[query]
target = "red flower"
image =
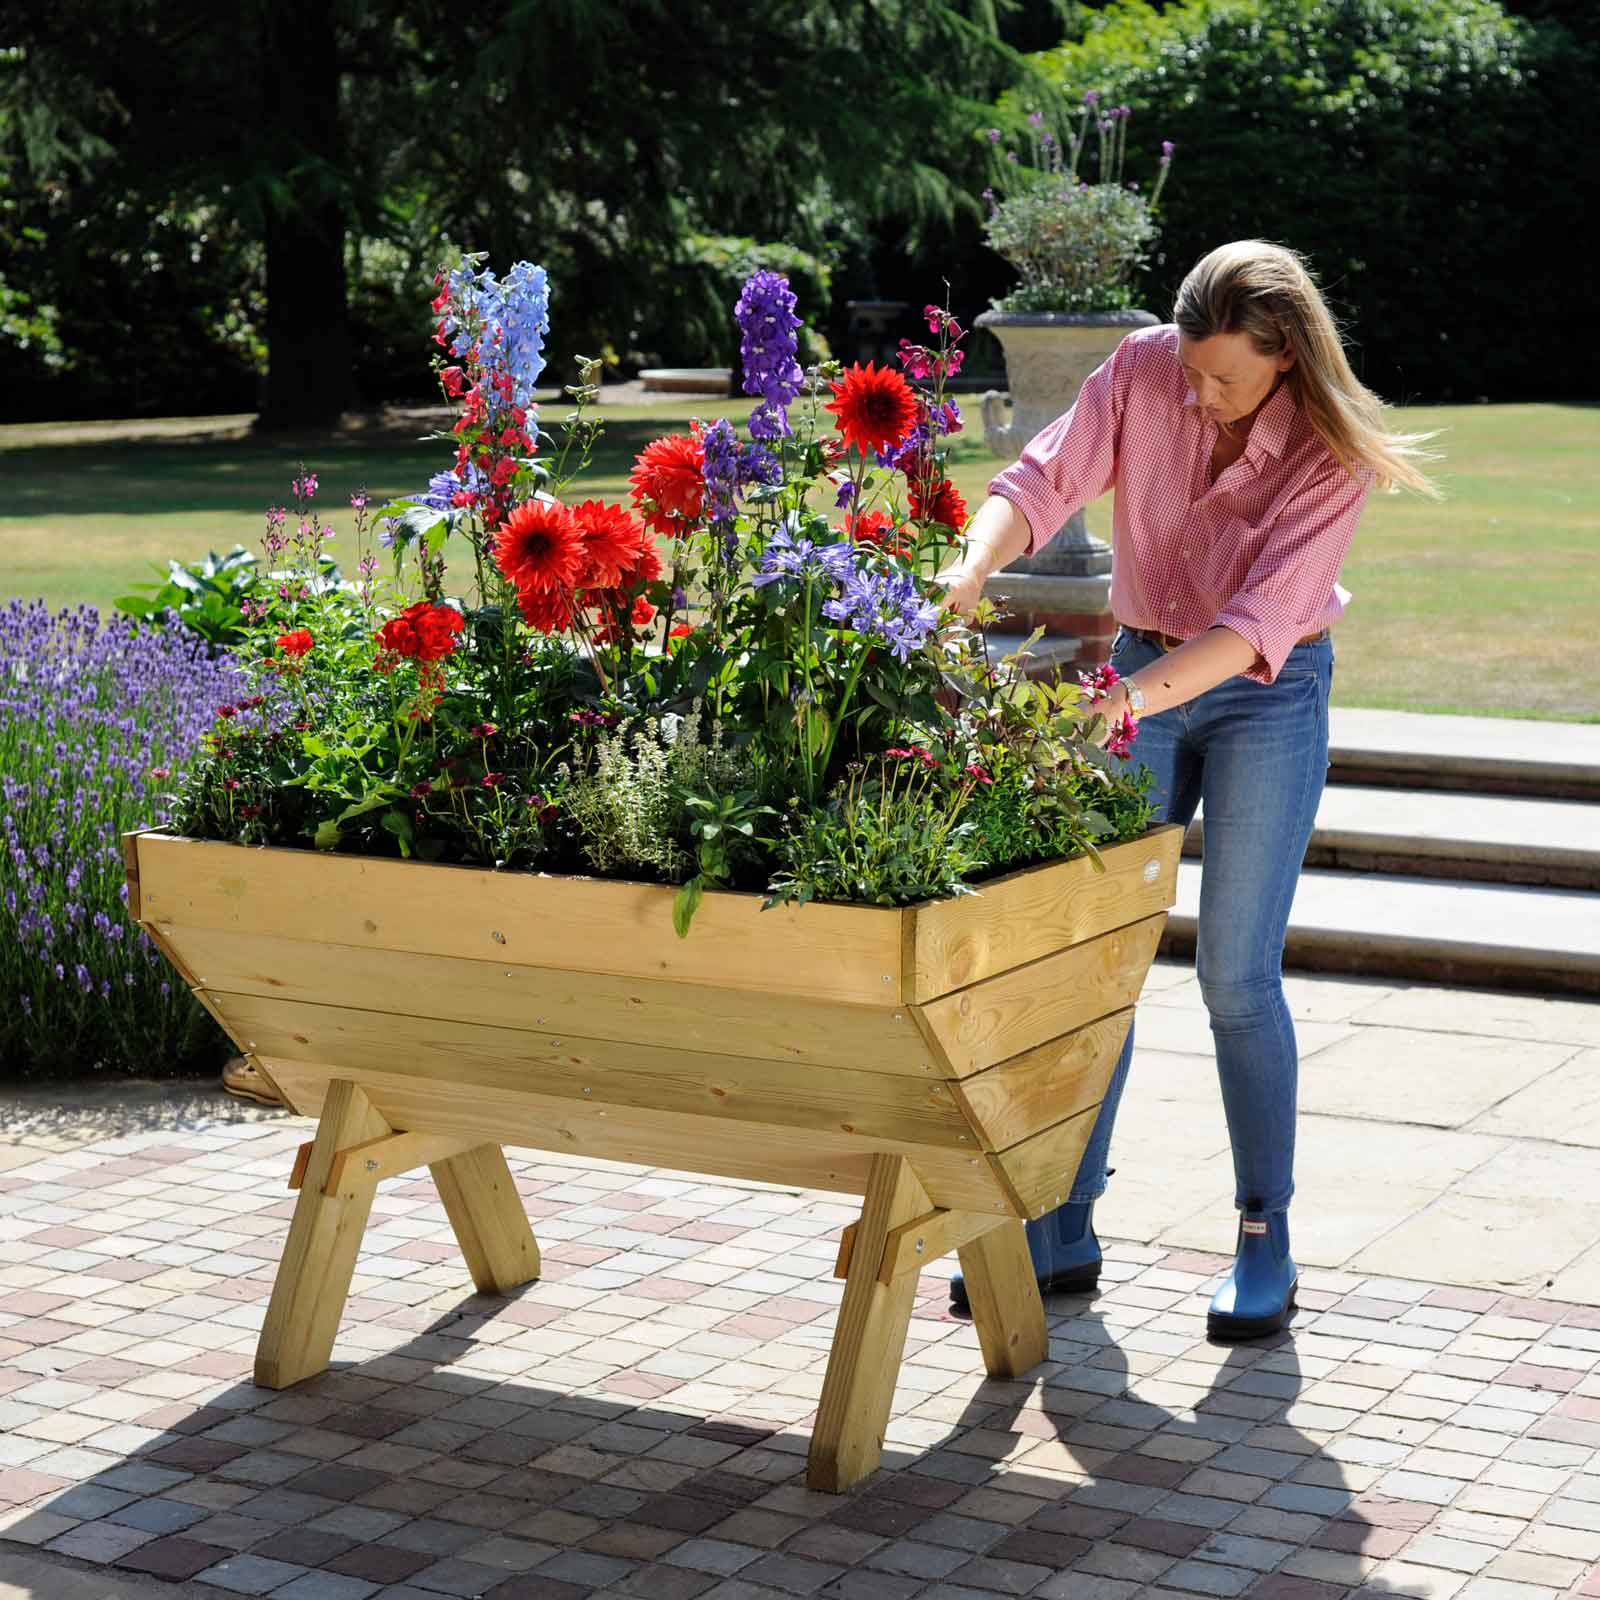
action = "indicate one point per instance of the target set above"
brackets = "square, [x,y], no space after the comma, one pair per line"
[424,630]
[296,643]
[540,546]
[548,610]
[940,502]
[680,630]
[612,541]
[875,407]
[668,482]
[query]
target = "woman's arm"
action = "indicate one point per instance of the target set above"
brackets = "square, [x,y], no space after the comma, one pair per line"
[1198,664]
[996,536]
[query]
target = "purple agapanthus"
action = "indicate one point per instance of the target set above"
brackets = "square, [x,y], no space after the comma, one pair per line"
[730,467]
[885,606]
[788,557]
[98,721]
[767,347]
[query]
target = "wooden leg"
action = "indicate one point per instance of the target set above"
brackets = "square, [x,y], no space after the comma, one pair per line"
[1004,1295]
[847,1442]
[313,1280]
[481,1200]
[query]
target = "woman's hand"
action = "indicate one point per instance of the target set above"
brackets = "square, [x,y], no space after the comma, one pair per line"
[962,588]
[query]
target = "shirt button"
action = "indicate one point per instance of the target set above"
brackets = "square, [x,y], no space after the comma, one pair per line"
[1185,555]
[1172,605]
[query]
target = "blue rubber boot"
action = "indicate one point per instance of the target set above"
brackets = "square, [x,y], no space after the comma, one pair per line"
[1258,1294]
[1064,1252]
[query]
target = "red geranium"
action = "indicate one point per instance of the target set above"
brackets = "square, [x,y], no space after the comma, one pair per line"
[296,643]
[540,546]
[875,407]
[668,482]
[611,540]
[939,502]
[424,631]
[877,528]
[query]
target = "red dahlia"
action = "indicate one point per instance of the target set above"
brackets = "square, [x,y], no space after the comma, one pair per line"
[939,502]
[540,546]
[612,541]
[875,407]
[548,610]
[870,527]
[668,482]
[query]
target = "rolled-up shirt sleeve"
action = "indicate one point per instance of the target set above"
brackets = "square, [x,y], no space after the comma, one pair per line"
[1287,592]
[1073,460]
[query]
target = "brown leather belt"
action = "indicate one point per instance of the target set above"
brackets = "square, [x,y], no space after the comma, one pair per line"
[1167,641]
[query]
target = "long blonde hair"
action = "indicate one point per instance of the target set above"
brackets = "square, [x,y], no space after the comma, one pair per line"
[1267,293]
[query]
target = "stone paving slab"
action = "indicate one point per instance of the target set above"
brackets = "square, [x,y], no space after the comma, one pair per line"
[636,1423]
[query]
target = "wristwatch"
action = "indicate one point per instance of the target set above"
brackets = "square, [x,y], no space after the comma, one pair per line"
[1136,700]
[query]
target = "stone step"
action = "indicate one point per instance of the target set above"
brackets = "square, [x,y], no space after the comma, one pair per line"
[1474,934]
[1435,833]
[1486,755]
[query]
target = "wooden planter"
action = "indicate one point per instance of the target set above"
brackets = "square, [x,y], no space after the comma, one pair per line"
[944,1061]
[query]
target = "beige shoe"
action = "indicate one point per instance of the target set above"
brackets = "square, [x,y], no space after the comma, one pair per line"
[245,1080]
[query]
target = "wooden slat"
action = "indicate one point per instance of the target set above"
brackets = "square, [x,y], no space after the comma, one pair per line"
[1004,1295]
[1025,915]
[850,953]
[652,1011]
[847,1243]
[1039,1171]
[883,1108]
[376,1159]
[130,865]
[831,1161]
[869,1338]
[911,1246]
[1020,1010]
[1035,1090]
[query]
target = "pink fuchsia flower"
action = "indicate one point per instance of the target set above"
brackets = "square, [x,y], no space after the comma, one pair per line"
[1099,683]
[977,773]
[1124,731]
[917,359]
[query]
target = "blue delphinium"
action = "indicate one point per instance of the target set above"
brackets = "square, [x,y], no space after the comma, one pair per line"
[507,318]
[887,607]
[788,557]
[444,486]
[767,346]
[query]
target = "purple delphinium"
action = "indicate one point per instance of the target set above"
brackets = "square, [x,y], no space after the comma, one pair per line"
[98,722]
[767,346]
[885,606]
[730,466]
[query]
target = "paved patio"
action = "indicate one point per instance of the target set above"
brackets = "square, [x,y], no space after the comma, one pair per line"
[636,1422]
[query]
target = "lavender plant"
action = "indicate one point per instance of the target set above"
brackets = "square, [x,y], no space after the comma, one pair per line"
[98,719]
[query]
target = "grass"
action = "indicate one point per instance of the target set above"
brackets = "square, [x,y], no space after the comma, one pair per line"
[1482,604]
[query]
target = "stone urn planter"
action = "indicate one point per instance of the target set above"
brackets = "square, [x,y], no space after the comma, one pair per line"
[1066,587]
[944,1061]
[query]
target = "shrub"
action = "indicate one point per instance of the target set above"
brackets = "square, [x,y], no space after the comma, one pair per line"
[96,719]
[1428,156]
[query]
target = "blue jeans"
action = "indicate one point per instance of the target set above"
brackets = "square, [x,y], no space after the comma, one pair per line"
[1257,754]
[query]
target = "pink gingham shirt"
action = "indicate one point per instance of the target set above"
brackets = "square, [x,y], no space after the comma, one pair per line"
[1258,551]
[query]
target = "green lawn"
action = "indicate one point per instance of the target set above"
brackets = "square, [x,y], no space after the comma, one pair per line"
[1485,603]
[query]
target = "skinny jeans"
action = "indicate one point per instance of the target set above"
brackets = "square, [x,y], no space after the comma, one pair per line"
[1256,755]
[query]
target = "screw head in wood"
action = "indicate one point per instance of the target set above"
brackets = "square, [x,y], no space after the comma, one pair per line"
[498,937]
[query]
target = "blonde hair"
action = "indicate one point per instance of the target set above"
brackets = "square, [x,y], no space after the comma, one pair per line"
[1267,293]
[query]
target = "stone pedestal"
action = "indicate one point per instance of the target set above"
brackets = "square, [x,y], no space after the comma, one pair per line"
[1066,587]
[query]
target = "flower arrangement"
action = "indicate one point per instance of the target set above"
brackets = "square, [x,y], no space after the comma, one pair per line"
[1075,243]
[741,679]
[98,718]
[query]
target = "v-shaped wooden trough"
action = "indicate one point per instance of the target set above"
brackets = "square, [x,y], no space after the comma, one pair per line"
[944,1061]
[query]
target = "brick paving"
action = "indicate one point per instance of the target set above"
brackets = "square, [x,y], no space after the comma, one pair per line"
[636,1422]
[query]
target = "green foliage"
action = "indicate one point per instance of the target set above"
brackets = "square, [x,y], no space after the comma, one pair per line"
[1425,154]
[207,596]
[887,835]
[1077,248]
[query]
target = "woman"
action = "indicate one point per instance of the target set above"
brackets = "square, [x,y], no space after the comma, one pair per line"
[1242,448]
